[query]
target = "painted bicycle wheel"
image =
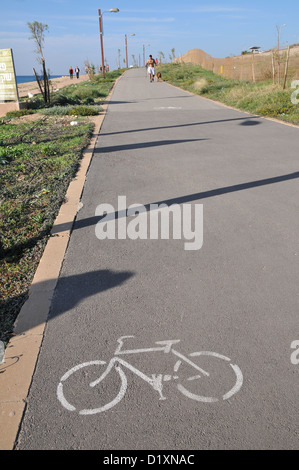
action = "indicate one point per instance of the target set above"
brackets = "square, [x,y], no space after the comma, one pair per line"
[221,381]
[70,381]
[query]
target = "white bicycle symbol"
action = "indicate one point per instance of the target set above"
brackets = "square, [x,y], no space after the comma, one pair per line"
[155,380]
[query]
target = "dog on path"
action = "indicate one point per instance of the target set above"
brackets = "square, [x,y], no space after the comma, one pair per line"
[159,77]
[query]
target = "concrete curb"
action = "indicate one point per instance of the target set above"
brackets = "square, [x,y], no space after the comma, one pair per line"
[23,349]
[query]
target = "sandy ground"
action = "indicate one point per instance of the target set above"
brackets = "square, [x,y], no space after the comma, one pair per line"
[57,83]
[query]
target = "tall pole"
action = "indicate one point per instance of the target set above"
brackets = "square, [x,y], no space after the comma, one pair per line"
[143,55]
[278,58]
[253,70]
[286,68]
[126,43]
[102,47]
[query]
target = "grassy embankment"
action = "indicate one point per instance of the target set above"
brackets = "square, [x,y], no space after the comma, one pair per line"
[38,160]
[262,98]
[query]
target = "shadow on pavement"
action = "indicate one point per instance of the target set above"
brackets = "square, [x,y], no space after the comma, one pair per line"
[246,122]
[158,143]
[117,102]
[251,122]
[194,197]
[69,292]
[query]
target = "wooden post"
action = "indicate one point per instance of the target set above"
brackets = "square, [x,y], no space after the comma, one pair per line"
[273,67]
[241,73]
[286,68]
[253,70]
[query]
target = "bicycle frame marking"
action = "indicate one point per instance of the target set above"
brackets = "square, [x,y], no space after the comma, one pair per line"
[155,381]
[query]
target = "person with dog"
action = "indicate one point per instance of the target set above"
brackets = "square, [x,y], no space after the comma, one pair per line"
[150,63]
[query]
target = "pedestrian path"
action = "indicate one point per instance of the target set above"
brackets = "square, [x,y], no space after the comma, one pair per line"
[132,313]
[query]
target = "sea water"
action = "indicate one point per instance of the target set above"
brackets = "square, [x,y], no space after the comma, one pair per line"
[31,78]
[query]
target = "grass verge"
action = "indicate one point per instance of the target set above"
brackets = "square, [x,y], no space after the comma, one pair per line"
[39,157]
[262,98]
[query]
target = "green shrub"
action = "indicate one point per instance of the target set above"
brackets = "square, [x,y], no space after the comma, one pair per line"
[274,110]
[56,110]
[71,110]
[83,111]
[4,157]
[35,103]
[18,113]
[89,101]
[279,103]
[61,99]
[86,94]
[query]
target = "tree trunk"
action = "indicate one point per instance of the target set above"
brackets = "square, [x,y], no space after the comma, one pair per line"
[39,85]
[46,83]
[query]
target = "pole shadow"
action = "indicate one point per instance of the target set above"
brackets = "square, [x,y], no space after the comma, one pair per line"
[246,122]
[193,197]
[142,145]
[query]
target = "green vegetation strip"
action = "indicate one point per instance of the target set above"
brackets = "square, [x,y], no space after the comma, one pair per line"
[38,160]
[261,98]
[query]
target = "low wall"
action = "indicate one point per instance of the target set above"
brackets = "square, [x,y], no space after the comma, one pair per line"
[10,106]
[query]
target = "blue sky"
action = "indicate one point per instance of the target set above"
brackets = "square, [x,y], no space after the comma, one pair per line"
[221,28]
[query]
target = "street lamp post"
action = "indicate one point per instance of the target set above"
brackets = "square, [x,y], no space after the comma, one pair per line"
[126,45]
[112,10]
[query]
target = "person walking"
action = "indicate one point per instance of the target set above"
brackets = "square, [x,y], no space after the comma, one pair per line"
[77,71]
[71,72]
[150,63]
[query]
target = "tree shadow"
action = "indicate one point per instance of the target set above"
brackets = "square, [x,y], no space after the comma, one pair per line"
[62,295]
[71,290]
[248,122]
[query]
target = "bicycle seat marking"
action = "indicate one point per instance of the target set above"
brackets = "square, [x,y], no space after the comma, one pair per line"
[156,381]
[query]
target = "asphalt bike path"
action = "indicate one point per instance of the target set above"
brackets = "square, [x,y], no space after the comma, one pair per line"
[156,343]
